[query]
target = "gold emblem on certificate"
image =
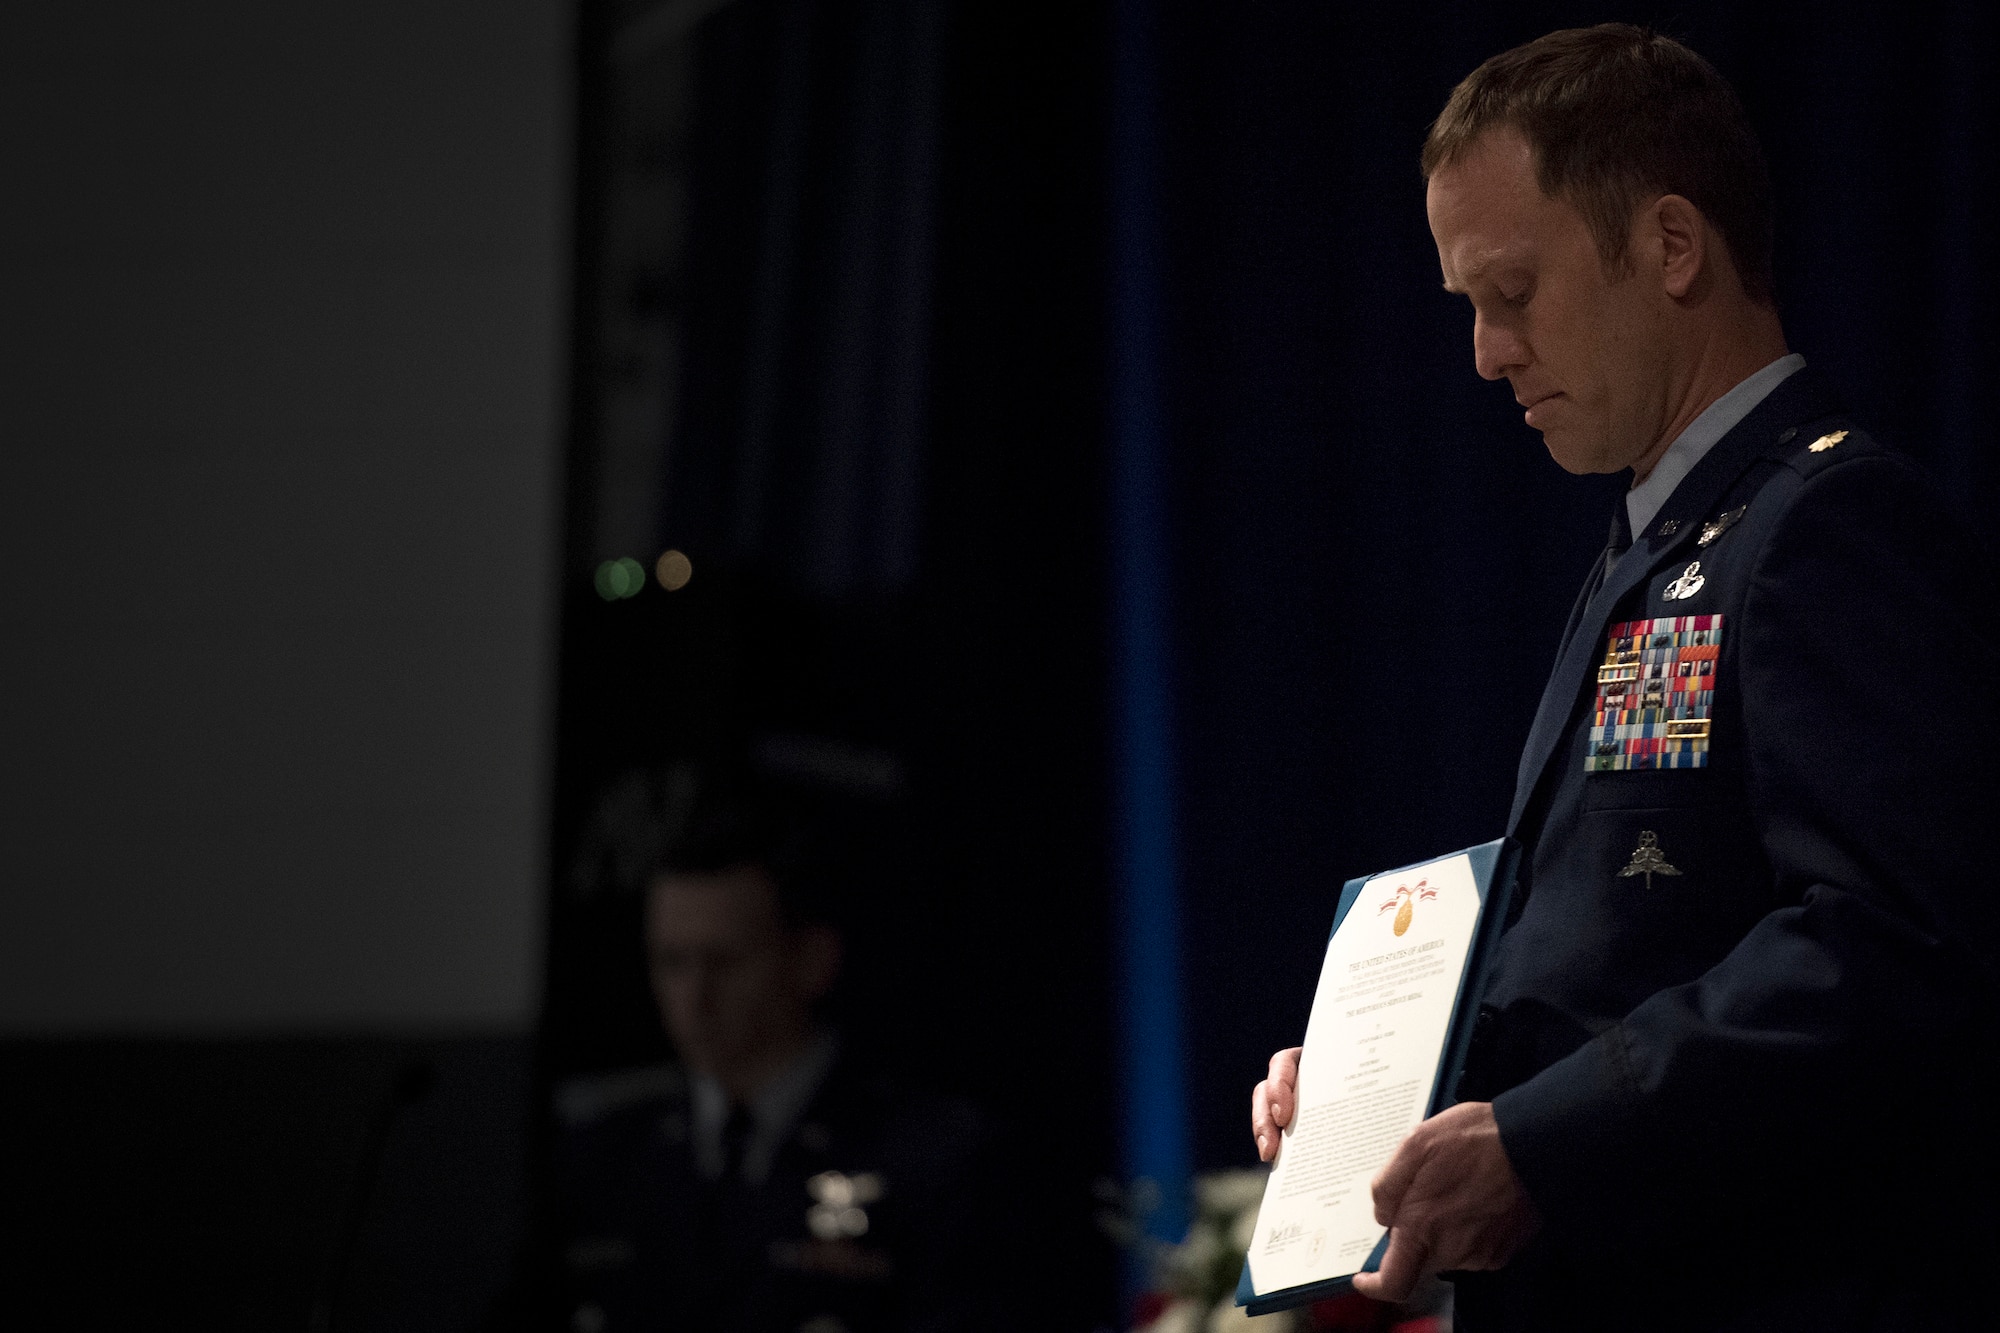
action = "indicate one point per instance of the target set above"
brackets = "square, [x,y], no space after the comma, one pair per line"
[1405,902]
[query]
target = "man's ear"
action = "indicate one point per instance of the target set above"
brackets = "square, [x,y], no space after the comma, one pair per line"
[1682,234]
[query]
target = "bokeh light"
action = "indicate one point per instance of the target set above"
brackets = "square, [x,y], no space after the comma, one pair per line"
[619,578]
[673,569]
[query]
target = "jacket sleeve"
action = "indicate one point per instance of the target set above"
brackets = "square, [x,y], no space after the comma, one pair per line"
[1837,1048]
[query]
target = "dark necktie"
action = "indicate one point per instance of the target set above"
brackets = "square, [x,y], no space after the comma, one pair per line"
[1616,544]
[736,1133]
[1620,540]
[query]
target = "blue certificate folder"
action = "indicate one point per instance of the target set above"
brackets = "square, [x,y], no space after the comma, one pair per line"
[1493,865]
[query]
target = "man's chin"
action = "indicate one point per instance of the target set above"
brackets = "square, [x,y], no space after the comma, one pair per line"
[1565,454]
[1576,459]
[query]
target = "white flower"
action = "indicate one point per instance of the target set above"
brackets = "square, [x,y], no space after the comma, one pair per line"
[1199,1251]
[1230,1192]
[1244,1230]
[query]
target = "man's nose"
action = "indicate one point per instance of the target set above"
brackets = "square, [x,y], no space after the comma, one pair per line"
[700,981]
[1496,349]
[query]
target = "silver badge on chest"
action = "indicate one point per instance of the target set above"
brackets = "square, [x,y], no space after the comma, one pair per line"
[1648,859]
[1687,585]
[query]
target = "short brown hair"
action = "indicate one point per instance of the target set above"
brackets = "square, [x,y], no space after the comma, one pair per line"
[1617,114]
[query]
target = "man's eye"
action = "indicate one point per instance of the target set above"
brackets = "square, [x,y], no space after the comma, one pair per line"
[679,963]
[1519,298]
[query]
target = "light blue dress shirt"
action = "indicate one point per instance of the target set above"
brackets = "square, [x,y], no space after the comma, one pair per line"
[1720,417]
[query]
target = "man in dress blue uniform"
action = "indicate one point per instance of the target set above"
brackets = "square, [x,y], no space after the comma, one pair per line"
[772,1181]
[1732,1063]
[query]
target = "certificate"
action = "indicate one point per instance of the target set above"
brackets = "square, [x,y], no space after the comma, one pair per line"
[1390,1024]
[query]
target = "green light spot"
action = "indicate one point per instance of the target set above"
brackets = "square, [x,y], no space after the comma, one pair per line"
[633,576]
[607,580]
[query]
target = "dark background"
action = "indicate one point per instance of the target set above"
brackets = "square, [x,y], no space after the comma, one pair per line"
[1375,555]
[869,349]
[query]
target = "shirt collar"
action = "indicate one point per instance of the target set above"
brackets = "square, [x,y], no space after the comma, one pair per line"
[773,1111]
[1643,501]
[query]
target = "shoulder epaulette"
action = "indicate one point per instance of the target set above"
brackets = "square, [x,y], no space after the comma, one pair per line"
[589,1098]
[1822,443]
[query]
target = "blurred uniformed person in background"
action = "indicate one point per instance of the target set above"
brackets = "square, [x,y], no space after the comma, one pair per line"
[769,1181]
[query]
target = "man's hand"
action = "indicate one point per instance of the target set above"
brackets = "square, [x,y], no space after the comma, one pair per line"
[1450,1199]
[1273,1101]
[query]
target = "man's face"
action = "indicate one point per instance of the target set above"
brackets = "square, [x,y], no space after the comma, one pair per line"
[1585,350]
[735,984]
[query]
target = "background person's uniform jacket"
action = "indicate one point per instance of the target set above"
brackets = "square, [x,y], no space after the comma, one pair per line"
[648,1244]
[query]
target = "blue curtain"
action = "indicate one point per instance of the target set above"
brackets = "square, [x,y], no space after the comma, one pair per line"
[1370,557]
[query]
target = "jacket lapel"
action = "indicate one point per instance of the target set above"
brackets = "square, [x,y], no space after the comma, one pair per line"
[1801,398]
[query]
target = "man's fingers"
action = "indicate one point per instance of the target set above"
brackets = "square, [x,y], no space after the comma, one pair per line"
[1394,1182]
[1402,1265]
[1285,1066]
[1271,1103]
[1282,1085]
[1262,1127]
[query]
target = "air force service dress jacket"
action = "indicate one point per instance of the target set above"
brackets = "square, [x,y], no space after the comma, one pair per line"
[1739,1036]
[919,1213]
